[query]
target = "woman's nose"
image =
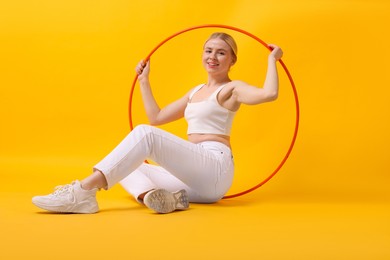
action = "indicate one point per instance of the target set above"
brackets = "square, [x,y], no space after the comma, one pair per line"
[212,56]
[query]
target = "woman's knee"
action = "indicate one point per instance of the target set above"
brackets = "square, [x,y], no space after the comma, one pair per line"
[142,130]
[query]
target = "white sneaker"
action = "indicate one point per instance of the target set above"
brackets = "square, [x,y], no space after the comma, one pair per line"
[69,198]
[163,201]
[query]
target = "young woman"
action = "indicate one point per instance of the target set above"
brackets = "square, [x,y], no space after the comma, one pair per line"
[199,169]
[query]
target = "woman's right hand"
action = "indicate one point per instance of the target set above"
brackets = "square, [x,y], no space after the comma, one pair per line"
[142,69]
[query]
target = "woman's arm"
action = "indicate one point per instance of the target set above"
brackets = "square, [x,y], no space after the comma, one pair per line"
[155,114]
[251,95]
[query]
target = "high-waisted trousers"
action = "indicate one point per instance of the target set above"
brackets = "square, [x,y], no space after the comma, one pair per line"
[205,170]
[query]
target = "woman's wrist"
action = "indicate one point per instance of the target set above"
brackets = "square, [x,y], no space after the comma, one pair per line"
[271,58]
[143,81]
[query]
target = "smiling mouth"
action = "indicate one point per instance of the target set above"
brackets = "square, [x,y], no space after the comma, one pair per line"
[212,64]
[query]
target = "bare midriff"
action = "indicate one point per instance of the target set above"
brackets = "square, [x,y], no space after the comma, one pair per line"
[198,138]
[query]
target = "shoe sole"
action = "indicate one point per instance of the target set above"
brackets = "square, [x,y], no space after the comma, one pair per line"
[79,209]
[163,201]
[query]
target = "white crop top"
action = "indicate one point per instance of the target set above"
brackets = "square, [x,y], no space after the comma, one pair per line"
[208,116]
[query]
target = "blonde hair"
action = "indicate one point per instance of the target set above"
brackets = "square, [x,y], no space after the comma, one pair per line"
[229,41]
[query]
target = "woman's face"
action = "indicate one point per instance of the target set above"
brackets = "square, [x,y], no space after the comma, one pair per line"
[217,56]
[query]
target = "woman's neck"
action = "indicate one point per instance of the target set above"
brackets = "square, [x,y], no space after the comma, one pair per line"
[217,81]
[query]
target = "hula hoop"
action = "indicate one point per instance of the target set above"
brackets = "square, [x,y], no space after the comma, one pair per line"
[281,63]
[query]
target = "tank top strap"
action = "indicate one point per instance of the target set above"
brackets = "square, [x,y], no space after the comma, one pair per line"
[215,93]
[196,89]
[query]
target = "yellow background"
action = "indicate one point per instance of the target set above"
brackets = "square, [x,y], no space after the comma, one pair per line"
[66,68]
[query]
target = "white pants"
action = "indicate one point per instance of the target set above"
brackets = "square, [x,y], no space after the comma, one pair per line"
[204,170]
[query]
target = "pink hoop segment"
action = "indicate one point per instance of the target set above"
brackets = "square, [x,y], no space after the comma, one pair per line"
[286,71]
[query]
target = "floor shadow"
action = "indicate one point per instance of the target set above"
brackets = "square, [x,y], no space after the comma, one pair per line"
[103,210]
[223,203]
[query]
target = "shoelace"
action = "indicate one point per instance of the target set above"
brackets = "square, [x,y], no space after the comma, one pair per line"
[60,190]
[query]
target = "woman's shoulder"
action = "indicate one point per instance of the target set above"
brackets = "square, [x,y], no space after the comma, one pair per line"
[193,90]
[237,83]
[233,86]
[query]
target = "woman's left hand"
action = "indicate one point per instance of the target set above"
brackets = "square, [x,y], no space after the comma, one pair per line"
[276,52]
